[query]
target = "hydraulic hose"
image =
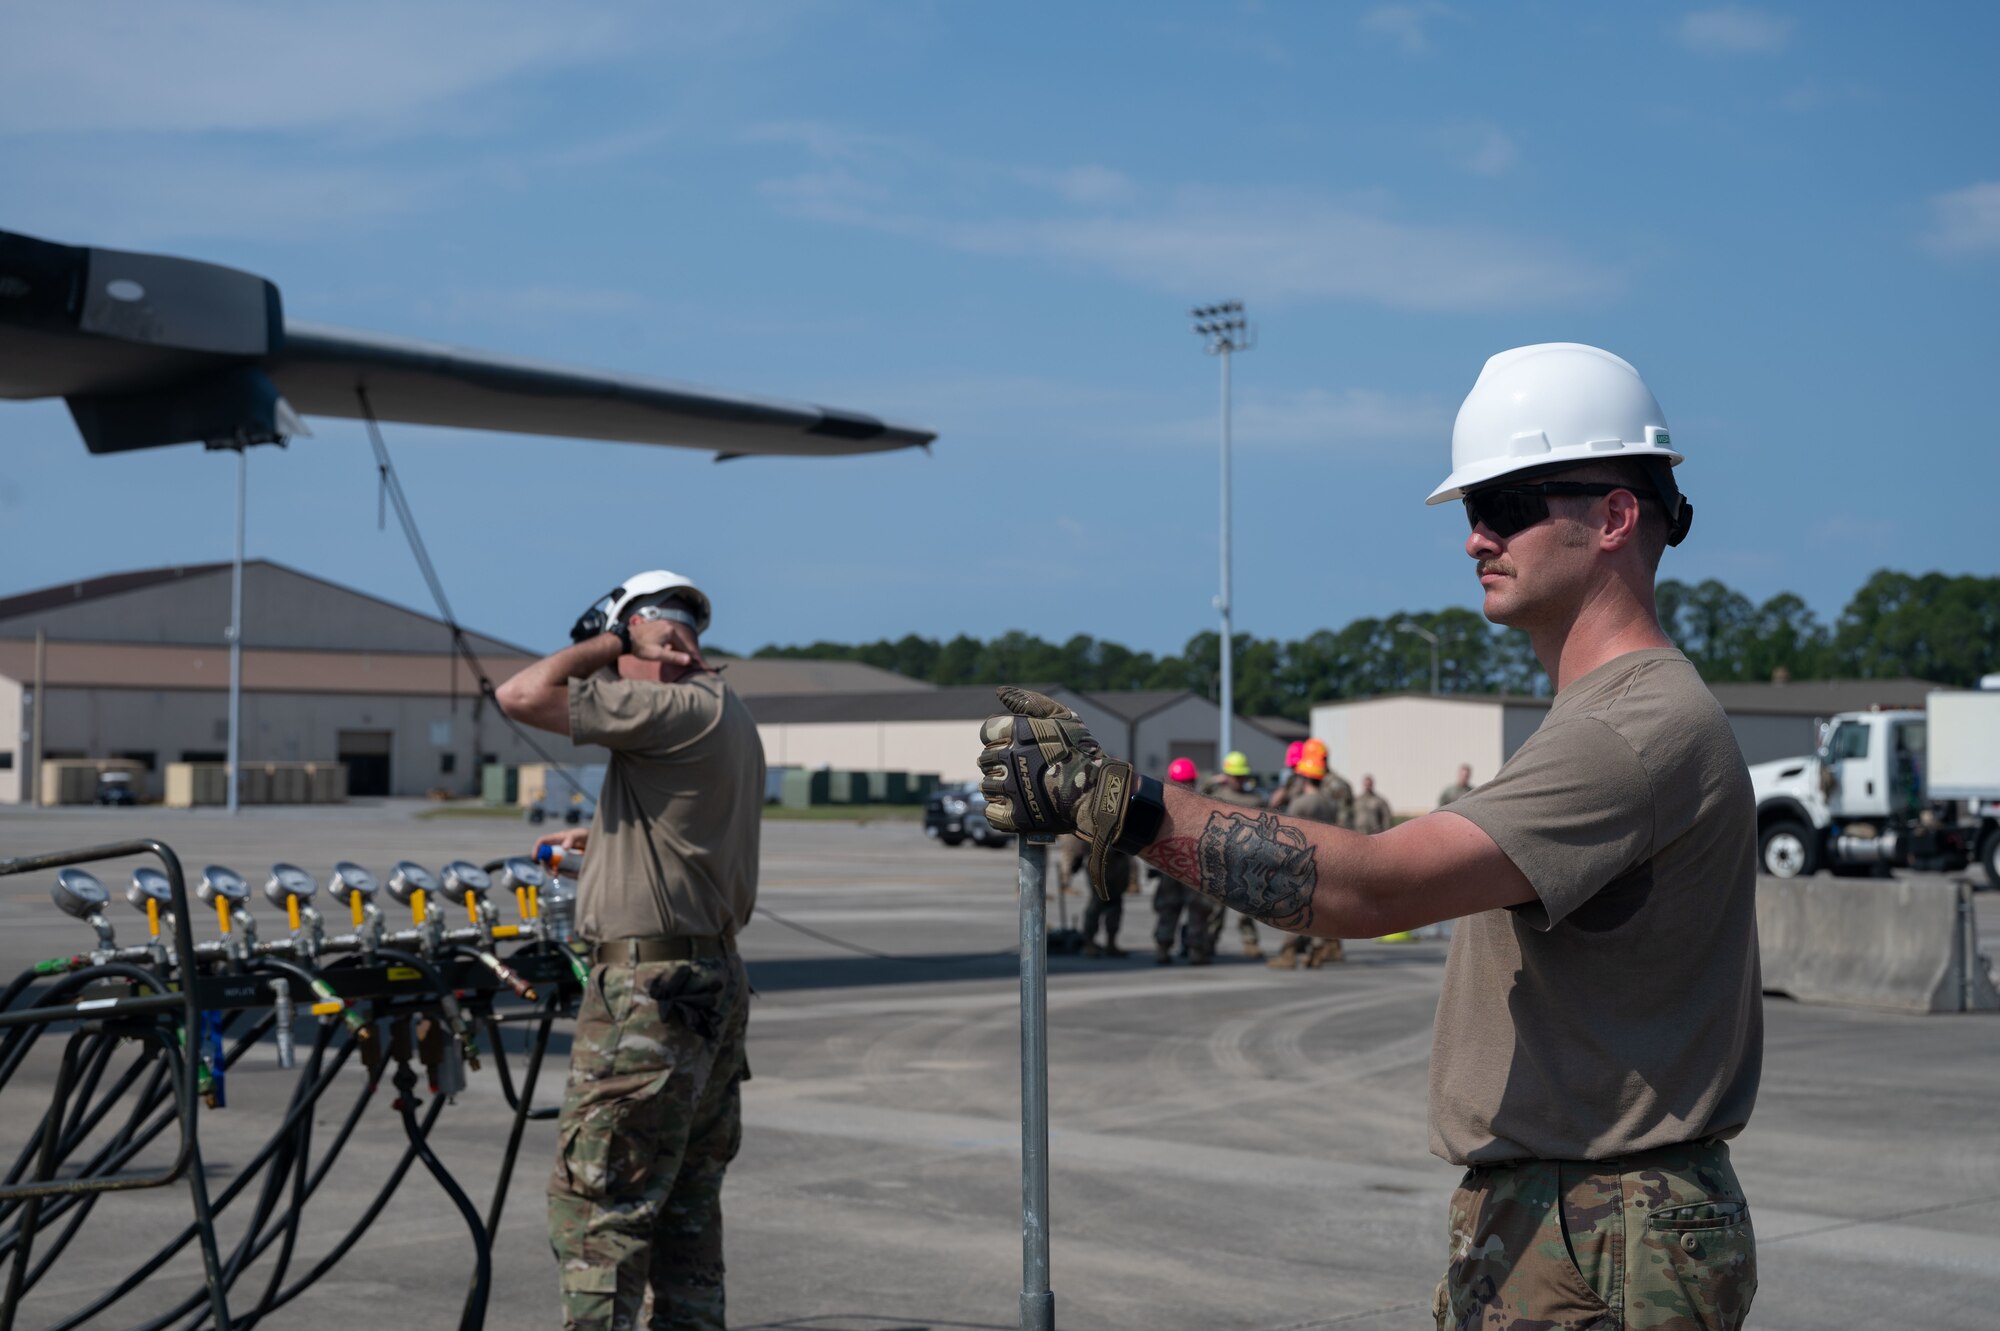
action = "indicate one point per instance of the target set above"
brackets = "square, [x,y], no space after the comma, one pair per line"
[301,1103]
[473,1318]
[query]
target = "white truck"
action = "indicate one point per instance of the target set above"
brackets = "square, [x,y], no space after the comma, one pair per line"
[1891,787]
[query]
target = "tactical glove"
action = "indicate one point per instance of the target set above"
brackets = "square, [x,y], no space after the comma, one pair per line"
[1043,774]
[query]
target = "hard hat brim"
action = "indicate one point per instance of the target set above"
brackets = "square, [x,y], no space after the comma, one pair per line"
[1489,470]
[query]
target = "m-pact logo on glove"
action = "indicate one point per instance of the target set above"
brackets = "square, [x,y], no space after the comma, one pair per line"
[1028,791]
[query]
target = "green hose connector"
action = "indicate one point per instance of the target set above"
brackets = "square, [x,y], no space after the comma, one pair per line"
[58,965]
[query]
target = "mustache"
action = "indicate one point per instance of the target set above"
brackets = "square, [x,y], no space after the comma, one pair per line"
[1499,566]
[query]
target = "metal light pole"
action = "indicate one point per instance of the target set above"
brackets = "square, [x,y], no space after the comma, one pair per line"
[1224,332]
[1407,627]
[236,631]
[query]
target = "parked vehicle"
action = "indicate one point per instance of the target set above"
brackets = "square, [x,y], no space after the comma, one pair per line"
[1900,787]
[115,789]
[958,813]
[563,802]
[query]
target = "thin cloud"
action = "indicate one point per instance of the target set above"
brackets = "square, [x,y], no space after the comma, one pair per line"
[1275,246]
[194,65]
[1351,420]
[1965,221]
[1731,30]
[131,198]
[1493,155]
[1404,24]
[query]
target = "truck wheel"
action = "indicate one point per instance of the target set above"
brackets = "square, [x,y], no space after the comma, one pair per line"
[1989,856]
[1786,849]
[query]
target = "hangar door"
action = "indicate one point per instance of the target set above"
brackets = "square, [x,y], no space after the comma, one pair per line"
[366,753]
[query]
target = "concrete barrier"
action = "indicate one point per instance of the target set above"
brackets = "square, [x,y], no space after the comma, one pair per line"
[1907,945]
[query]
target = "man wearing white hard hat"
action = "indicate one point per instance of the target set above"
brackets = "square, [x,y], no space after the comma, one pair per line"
[652,1114]
[1600,1034]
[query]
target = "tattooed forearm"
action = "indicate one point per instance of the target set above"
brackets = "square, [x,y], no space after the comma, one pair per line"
[1250,861]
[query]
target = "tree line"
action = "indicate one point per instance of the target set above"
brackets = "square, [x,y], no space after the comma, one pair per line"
[1925,626]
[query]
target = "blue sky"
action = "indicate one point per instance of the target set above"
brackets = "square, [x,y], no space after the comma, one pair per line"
[991,220]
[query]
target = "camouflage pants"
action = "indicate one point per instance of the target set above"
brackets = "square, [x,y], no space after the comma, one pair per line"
[1659,1241]
[650,1121]
[1245,926]
[1171,897]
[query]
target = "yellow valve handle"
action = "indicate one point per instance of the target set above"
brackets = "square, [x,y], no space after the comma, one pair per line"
[506,931]
[329,1008]
[417,911]
[222,913]
[521,901]
[534,903]
[152,917]
[471,908]
[292,912]
[354,903]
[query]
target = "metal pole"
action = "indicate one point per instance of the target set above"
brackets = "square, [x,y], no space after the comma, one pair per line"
[236,632]
[34,793]
[1228,643]
[1038,1302]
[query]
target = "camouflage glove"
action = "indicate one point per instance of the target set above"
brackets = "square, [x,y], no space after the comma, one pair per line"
[1044,774]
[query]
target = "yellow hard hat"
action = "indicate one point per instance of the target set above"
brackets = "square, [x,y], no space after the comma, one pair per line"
[1236,764]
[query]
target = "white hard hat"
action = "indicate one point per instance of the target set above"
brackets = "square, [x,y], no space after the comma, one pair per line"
[1549,405]
[620,601]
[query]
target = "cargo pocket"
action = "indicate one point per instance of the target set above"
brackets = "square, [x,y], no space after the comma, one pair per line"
[1698,1262]
[609,1135]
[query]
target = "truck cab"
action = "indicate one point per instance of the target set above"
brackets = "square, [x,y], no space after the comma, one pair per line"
[1864,803]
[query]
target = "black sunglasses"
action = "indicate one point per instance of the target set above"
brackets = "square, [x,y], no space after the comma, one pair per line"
[1507,509]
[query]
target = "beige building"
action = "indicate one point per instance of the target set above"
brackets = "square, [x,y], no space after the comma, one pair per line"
[136,665]
[1413,743]
[935,729]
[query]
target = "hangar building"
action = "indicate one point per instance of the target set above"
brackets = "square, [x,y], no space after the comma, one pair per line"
[136,665]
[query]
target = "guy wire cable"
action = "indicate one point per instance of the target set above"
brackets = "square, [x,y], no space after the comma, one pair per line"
[392,486]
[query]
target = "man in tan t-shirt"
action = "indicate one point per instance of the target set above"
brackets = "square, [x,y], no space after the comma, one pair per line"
[1599,1037]
[651,1117]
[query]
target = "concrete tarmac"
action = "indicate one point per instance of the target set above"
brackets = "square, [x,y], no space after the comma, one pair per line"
[1232,1147]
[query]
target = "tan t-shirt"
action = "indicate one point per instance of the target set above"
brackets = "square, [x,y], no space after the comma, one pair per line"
[1621,1010]
[673,849]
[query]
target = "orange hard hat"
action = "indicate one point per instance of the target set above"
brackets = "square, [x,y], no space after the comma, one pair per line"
[1315,747]
[1313,765]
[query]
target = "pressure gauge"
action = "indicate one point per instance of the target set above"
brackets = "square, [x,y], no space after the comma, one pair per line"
[288,882]
[350,880]
[149,885]
[409,878]
[463,878]
[518,871]
[218,883]
[79,893]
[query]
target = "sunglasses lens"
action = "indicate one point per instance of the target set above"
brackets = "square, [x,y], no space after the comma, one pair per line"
[1505,512]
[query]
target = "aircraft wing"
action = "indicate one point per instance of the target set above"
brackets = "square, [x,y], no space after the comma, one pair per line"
[150,350]
[319,369]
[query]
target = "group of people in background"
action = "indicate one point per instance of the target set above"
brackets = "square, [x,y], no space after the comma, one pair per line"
[1187,923]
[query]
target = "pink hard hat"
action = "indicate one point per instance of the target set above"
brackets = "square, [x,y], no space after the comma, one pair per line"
[1292,752]
[1181,770]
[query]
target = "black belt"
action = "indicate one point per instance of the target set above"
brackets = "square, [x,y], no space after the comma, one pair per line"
[639,951]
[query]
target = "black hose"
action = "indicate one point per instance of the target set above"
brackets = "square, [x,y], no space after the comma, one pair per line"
[474,1316]
[112,1157]
[16,985]
[301,1103]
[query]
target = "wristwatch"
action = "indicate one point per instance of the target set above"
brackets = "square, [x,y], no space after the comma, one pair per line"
[622,631]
